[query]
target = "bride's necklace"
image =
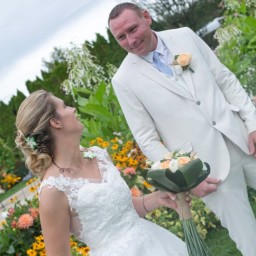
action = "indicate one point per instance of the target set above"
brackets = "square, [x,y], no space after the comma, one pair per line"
[69,169]
[86,155]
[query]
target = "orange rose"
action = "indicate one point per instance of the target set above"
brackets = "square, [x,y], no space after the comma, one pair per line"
[184,59]
[183,160]
[165,164]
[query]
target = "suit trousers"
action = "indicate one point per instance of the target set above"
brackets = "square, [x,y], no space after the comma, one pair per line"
[231,204]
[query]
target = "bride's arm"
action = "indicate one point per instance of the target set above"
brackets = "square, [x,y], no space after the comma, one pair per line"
[55,222]
[150,202]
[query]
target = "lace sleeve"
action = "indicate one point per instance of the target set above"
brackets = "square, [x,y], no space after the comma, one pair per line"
[68,186]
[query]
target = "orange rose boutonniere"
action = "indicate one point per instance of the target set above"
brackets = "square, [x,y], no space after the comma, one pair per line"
[181,62]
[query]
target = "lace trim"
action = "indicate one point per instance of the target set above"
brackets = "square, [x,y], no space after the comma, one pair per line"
[70,186]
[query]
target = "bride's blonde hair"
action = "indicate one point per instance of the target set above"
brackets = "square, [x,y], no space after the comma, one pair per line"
[33,124]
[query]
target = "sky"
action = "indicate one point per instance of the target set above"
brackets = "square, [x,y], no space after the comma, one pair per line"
[30,29]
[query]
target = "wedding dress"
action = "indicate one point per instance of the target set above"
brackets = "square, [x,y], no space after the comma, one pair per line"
[103,216]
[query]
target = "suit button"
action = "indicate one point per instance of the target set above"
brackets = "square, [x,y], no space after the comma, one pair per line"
[198,102]
[213,122]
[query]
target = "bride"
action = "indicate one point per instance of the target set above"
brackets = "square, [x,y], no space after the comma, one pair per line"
[82,191]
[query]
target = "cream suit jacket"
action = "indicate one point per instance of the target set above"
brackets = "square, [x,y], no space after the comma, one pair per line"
[164,115]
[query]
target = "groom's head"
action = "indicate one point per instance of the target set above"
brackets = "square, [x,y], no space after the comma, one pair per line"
[130,25]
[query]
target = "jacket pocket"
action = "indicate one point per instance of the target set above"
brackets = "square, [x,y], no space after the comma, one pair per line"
[233,108]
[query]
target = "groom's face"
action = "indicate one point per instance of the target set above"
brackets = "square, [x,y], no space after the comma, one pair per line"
[133,33]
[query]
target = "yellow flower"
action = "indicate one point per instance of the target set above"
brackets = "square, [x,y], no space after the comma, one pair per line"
[92,142]
[39,238]
[73,243]
[13,199]
[147,185]
[115,147]
[31,252]
[99,140]
[32,189]
[105,144]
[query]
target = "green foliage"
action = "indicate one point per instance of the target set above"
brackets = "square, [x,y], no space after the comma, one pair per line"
[96,102]
[7,157]
[100,114]
[203,218]
[7,120]
[184,13]
[219,243]
[237,39]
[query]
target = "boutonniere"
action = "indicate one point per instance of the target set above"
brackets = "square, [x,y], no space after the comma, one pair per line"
[181,62]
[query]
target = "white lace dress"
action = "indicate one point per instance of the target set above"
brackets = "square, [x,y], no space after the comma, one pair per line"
[103,216]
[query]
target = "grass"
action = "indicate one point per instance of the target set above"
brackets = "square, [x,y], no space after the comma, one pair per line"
[13,190]
[219,242]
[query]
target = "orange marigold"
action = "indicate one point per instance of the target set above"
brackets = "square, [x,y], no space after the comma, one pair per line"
[25,221]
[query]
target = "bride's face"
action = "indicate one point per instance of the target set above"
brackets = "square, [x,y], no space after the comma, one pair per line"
[67,117]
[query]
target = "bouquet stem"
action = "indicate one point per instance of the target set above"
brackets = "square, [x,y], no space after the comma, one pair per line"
[183,208]
[195,245]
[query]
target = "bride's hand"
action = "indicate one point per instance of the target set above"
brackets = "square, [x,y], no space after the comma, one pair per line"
[169,199]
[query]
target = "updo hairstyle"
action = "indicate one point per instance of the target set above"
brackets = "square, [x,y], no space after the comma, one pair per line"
[33,122]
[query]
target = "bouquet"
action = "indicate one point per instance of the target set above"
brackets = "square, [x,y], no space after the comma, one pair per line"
[179,172]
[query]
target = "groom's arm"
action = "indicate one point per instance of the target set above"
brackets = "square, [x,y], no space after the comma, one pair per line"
[230,86]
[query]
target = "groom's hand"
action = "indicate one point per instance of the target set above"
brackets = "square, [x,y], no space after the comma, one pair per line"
[206,187]
[252,143]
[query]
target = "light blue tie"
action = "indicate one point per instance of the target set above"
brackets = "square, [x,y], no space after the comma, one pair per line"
[162,67]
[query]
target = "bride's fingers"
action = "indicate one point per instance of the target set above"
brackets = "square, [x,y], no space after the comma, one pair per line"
[163,194]
[170,204]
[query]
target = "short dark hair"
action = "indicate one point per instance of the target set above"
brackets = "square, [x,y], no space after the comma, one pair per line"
[118,9]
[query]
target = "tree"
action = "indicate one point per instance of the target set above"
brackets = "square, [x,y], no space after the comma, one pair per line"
[195,14]
[106,50]
[237,41]
[52,78]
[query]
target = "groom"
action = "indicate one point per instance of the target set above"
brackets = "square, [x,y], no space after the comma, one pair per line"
[202,108]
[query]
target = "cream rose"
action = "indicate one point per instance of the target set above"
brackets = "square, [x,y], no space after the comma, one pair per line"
[184,59]
[174,165]
[165,164]
[183,160]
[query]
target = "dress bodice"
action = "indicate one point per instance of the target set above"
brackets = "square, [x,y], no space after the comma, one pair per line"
[102,211]
[103,216]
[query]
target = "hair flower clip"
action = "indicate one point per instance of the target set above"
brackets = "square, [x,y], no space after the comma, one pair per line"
[89,155]
[31,142]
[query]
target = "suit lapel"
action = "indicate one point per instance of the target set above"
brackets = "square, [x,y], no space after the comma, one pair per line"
[189,83]
[169,83]
[175,49]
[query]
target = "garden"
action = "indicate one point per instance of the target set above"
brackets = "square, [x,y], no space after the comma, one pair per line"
[21,231]
[88,86]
